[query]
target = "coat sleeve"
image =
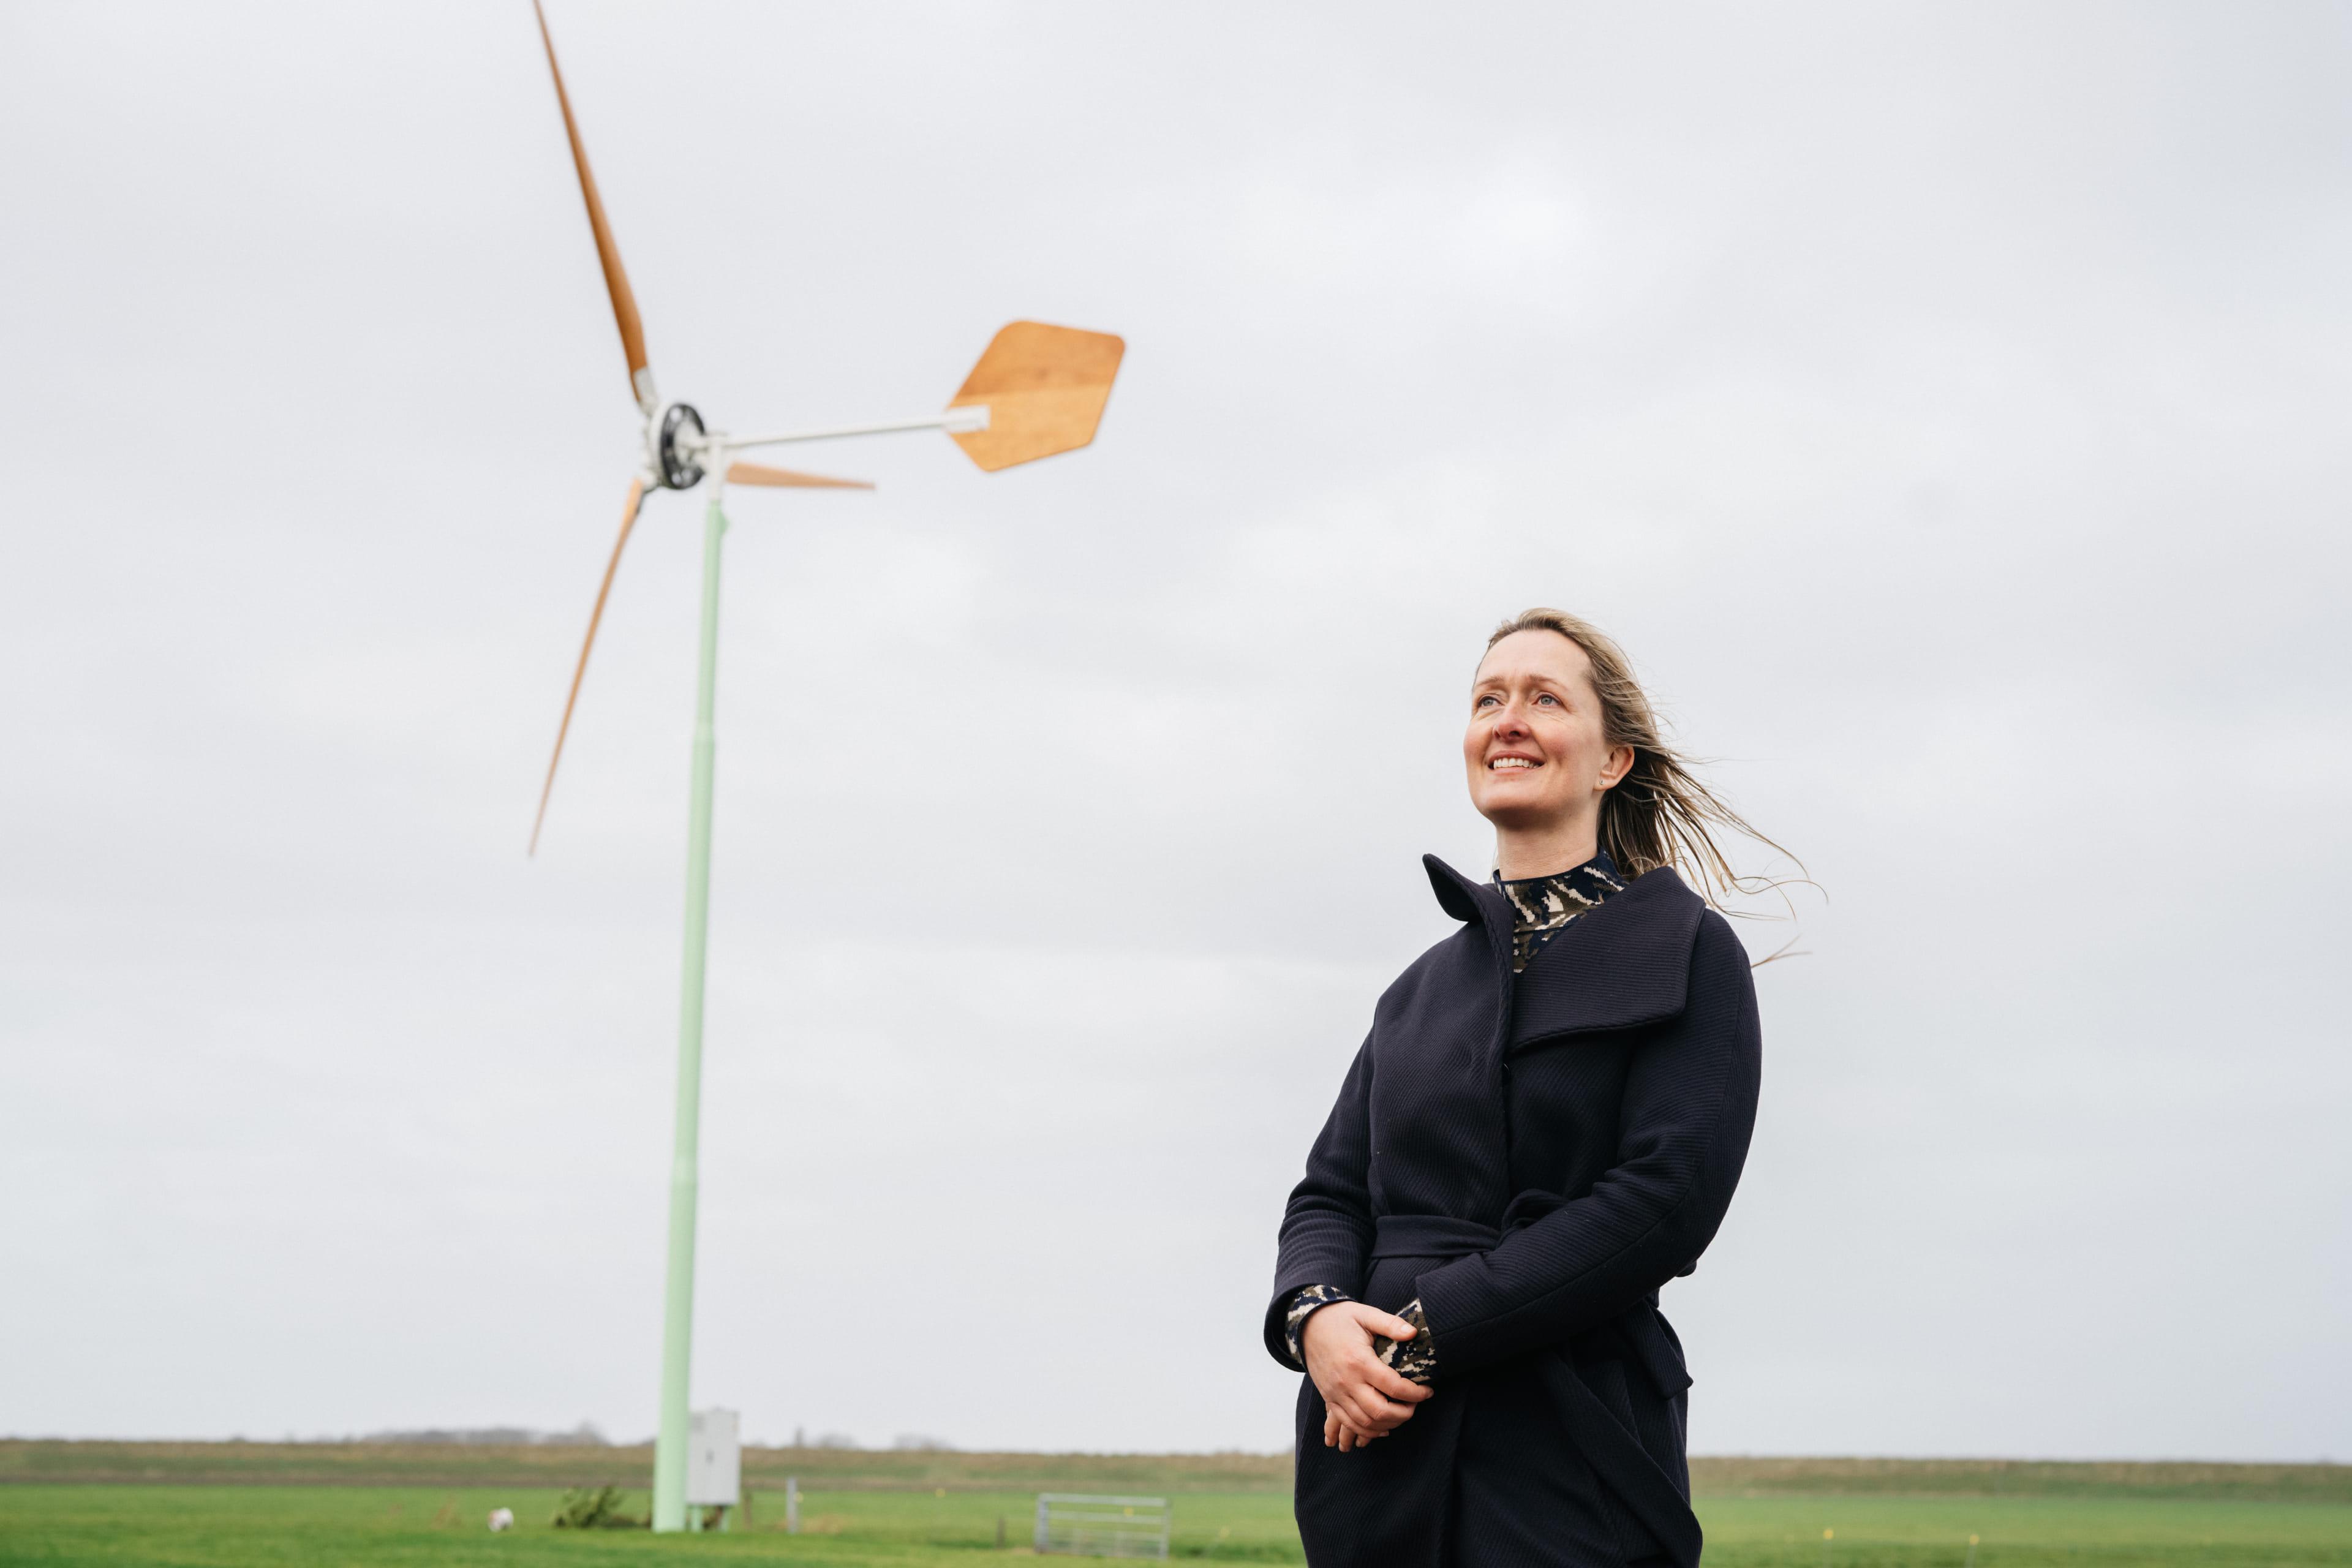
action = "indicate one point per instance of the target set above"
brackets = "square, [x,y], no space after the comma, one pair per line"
[1326,1228]
[1688,1107]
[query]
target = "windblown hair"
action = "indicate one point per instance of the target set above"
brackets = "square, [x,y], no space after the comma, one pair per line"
[1659,814]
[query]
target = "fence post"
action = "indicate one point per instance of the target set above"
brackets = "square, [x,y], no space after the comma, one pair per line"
[1041,1521]
[792,1505]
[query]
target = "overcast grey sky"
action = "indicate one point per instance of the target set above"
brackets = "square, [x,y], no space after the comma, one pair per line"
[1945,406]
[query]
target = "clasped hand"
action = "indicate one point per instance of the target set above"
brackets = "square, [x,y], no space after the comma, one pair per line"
[1362,1399]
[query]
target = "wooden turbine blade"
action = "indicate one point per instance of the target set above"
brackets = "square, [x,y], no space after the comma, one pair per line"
[608,255]
[788,479]
[1044,388]
[595,617]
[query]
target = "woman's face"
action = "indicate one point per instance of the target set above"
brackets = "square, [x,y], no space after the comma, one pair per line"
[1535,749]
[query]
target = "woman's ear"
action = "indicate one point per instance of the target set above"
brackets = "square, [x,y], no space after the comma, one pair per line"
[1619,764]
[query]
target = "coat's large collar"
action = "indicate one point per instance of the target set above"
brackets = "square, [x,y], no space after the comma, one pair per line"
[1624,963]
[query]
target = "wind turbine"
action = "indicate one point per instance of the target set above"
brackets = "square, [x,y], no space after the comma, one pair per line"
[1037,391]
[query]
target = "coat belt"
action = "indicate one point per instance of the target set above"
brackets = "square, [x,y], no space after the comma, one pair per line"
[1430,1236]
[1641,1330]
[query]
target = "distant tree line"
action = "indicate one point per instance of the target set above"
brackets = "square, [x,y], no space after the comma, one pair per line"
[585,1434]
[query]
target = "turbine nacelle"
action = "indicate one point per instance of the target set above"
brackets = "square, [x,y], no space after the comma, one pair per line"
[1037,391]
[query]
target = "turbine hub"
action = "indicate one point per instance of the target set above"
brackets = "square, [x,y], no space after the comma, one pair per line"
[677,445]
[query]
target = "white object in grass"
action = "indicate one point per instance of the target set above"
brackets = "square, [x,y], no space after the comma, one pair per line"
[714,1458]
[501,1519]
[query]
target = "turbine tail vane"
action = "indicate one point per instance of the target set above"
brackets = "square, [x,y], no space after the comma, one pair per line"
[1044,389]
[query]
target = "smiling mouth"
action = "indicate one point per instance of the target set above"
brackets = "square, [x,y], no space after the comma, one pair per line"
[1499,765]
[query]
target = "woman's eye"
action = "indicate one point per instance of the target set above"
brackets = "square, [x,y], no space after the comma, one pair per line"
[1547,697]
[1488,700]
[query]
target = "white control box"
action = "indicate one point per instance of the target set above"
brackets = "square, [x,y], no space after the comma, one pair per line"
[714,1458]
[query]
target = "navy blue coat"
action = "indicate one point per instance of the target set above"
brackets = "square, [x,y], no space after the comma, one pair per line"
[1532,1157]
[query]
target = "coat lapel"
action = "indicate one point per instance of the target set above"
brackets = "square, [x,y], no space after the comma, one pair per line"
[1463,899]
[1623,964]
[1481,904]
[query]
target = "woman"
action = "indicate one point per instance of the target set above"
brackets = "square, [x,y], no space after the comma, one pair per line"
[1544,1126]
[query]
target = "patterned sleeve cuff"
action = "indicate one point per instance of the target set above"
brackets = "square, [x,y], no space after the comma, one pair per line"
[1303,1304]
[1415,1360]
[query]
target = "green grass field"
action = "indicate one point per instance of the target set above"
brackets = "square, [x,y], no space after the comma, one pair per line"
[878,1510]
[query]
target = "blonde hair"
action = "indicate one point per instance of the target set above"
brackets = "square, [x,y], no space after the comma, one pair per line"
[1659,814]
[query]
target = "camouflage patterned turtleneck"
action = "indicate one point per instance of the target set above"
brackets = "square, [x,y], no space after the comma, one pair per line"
[1541,907]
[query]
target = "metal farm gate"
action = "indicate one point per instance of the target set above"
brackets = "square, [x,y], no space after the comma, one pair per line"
[1081,1526]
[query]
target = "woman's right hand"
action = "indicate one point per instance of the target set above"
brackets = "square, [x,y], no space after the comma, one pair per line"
[1367,1397]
